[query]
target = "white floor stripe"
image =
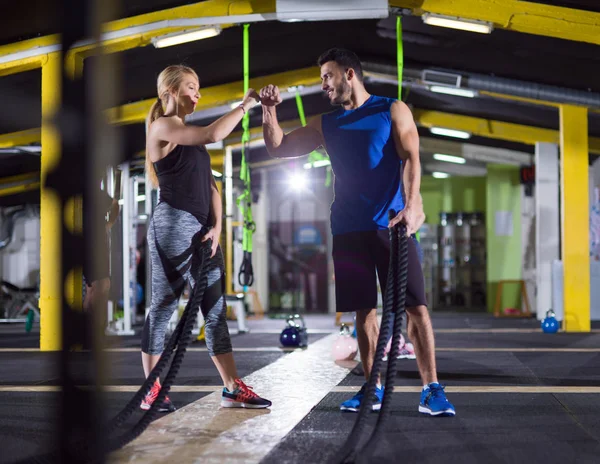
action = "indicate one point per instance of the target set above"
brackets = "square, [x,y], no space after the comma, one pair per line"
[276,349]
[137,350]
[203,432]
[485,389]
[19,350]
[522,350]
[111,388]
[337,389]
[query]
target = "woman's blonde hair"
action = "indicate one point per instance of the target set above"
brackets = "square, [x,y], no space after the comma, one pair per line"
[169,81]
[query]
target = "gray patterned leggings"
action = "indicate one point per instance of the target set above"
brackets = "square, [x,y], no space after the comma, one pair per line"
[173,242]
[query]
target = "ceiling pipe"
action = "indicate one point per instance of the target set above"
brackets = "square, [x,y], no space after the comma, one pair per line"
[512,87]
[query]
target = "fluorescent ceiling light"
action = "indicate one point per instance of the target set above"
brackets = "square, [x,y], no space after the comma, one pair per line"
[440,175]
[183,37]
[217,173]
[449,132]
[317,164]
[453,91]
[454,22]
[449,158]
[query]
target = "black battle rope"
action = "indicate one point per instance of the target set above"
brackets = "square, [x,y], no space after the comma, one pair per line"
[183,329]
[399,305]
[393,305]
[183,337]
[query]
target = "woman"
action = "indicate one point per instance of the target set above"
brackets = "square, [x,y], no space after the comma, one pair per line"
[189,209]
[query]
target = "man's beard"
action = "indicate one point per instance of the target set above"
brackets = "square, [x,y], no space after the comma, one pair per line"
[342,94]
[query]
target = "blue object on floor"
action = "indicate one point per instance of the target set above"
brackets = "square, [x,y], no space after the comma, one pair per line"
[550,324]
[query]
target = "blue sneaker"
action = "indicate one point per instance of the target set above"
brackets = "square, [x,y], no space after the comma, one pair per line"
[353,404]
[434,401]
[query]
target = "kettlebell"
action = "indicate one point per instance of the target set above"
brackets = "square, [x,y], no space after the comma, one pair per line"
[345,346]
[295,333]
[550,324]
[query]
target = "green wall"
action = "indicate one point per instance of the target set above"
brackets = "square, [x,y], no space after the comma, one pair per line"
[451,195]
[498,191]
[503,252]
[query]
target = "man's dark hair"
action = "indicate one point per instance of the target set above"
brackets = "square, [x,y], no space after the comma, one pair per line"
[344,58]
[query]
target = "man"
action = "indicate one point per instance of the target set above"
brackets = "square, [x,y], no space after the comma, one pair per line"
[373,145]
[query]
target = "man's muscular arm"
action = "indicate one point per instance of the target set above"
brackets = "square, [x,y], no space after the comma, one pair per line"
[297,143]
[406,139]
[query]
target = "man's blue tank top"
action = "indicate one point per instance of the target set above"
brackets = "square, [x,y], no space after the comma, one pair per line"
[367,168]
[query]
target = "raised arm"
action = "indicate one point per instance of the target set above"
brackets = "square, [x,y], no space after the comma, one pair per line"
[406,139]
[297,143]
[172,130]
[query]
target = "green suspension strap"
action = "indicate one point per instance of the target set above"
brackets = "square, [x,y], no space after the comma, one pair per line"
[244,201]
[400,64]
[399,54]
[314,155]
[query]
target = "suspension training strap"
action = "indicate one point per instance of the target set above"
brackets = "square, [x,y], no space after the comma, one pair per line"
[314,155]
[400,65]
[399,54]
[244,201]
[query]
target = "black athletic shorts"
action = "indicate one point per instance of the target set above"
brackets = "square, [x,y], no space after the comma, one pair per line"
[359,258]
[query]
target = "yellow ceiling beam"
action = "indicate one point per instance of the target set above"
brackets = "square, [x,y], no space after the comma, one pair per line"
[29,53]
[533,101]
[20,183]
[29,46]
[503,96]
[25,137]
[26,64]
[516,15]
[477,126]
[481,127]
[205,9]
[219,95]
[5,192]
[494,129]
[30,176]
[224,94]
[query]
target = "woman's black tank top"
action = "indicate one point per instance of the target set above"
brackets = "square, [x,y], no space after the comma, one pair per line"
[185,179]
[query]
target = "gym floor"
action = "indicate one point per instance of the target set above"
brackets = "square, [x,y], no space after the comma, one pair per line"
[520,396]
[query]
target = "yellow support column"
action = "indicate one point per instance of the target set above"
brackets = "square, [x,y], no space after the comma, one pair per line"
[50,212]
[575,217]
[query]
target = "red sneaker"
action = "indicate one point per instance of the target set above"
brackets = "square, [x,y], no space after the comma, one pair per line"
[166,405]
[243,397]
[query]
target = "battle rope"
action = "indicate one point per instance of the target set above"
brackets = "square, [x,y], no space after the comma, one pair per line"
[180,338]
[393,306]
[244,201]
